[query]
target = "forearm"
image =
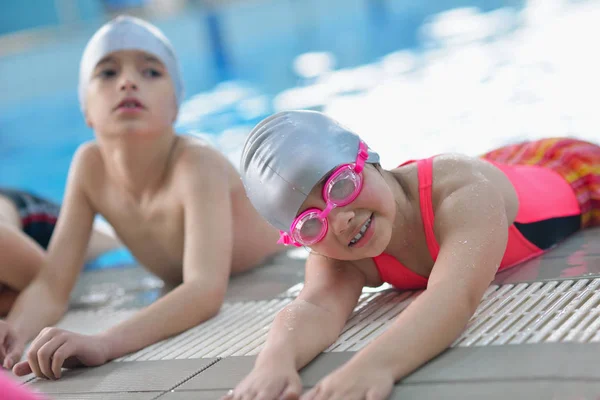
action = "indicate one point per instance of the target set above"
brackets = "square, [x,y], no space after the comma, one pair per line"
[299,333]
[183,308]
[421,332]
[20,258]
[7,299]
[36,308]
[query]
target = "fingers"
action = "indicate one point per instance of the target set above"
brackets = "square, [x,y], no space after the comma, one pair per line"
[380,392]
[32,353]
[41,350]
[292,391]
[45,355]
[249,394]
[376,395]
[60,355]
[228,396]
[23,368]
[267,385]
[311,394]
[3,337]
[14,351]
[12,358]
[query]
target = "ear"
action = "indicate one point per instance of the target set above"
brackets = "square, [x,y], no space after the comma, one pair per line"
[88,120]
[175,111]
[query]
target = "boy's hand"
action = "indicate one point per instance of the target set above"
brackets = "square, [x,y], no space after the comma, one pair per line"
[55,349]
[268,382]
[11,347]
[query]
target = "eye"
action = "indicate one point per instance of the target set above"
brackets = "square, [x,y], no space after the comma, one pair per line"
[342,189]
[107,73]
[152,73]
[311,228]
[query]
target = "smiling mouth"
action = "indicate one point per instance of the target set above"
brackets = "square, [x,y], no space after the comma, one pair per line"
[362,231]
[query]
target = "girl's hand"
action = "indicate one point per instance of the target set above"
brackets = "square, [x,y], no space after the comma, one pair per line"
[268,382]
[353,382]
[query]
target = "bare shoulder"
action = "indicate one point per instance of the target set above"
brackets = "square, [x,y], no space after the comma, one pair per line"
[87,166]
[454,172]
[87,155]
[196,159]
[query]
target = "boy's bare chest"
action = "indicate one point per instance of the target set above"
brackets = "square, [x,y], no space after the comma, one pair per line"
[153,231]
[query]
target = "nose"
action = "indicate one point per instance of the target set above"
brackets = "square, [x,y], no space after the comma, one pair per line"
[341,219]
[127,82]
[128,85]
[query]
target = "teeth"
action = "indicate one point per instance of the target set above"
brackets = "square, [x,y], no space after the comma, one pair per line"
[360,234]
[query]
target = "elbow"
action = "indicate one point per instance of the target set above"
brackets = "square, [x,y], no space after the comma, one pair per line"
[206,303]
[470,300]
[52,292]
[212,311]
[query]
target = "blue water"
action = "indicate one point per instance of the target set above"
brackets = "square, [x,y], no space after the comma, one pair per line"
[40,122]
[250,45]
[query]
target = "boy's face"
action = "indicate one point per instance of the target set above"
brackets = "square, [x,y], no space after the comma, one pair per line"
[130,92]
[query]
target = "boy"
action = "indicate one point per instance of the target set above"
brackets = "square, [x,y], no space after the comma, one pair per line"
[178,205]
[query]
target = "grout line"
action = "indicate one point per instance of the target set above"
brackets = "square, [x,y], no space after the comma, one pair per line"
[188,378]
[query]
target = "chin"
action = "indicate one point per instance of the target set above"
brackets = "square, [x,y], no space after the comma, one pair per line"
[138,129]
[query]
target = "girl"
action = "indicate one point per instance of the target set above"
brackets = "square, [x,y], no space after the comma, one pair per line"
[446,223]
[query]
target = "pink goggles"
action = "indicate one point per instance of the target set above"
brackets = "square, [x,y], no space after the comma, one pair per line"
[342,187]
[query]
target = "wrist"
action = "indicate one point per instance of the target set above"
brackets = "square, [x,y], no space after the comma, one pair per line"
[369,360]
[107,345]
[271,356]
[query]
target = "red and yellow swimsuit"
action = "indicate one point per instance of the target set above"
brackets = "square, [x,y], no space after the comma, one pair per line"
[558,185]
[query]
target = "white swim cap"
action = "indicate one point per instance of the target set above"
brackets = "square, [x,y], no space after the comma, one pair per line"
[128,33]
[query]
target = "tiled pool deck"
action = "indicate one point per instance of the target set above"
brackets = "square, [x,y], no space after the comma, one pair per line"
[535,335]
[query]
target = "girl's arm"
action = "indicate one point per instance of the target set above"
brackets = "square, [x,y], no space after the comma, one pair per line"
[314,320]
[472,229]
[303,329]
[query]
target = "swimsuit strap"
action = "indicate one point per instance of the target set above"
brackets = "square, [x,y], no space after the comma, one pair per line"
[425,173]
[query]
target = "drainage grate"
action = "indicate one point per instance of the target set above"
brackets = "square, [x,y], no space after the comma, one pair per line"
[554,311]
[95,321]
[239,329]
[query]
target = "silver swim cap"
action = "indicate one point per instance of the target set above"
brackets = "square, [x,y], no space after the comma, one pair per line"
[287,154]
[128,33]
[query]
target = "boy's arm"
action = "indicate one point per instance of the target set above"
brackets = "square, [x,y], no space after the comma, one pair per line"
[45,300]
[473,232]
[204,187]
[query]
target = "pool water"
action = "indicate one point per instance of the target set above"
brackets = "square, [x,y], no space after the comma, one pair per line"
[413,78]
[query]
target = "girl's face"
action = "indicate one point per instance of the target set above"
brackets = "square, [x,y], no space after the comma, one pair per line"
[361,229]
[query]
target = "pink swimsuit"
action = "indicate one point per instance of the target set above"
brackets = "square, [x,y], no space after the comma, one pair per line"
[11,390]
[545,200]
